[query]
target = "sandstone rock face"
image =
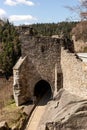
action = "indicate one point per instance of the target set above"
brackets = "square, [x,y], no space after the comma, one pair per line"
[79,45]
[70,114]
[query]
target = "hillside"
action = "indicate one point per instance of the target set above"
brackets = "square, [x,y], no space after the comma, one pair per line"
[80,31]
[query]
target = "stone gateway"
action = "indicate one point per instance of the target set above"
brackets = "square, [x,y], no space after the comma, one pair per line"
[39,68]
[47,64]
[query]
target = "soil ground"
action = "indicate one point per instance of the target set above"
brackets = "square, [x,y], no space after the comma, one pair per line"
[9,112]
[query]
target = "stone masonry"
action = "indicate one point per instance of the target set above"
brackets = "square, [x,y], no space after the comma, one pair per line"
[45,58]
[74,74]
[40,61]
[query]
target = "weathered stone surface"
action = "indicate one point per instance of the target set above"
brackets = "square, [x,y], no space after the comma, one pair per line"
[76,122]
[74,74]
[70,114]
[79,45]
[4,126]
[42,63]
[48,59]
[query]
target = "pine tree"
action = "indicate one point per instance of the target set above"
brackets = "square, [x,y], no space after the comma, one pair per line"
[11,48]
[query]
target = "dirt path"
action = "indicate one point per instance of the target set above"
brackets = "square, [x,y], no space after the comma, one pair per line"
[34,121]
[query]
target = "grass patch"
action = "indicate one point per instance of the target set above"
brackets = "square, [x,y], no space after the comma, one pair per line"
[13,115]
[9,112]
[10,102]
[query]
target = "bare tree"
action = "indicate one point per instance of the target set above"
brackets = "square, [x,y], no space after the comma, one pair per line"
[80,9]
[83,13]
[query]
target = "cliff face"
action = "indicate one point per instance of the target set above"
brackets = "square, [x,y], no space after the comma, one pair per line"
[79,36]
[80,31]
[79,45]
[67,112]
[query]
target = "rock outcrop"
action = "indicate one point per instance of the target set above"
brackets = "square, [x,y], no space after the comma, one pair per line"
[67,112]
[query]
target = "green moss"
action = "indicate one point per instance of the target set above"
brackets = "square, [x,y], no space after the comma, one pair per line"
[10,102]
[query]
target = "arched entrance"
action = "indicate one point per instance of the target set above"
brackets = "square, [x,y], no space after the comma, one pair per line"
[41,88]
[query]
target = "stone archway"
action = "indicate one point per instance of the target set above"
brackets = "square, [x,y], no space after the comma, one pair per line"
[41,88]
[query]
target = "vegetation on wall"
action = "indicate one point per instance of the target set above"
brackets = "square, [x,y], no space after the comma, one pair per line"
[10,48]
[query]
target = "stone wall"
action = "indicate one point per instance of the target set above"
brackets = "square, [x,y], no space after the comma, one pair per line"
[25,76]
[42,63]
[49,59]
[74,74]
[20,81]
[44,55]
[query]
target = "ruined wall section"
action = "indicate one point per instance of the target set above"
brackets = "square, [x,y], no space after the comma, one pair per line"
[22,85]
[74,74]
[44,53]
[19,80]
[42,62]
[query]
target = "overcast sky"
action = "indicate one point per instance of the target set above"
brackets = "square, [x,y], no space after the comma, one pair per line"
[37,11]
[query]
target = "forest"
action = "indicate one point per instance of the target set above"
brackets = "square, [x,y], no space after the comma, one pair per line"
[49,29]
[10,47]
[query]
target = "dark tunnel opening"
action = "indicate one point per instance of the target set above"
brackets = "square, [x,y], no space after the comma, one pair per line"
[42,88]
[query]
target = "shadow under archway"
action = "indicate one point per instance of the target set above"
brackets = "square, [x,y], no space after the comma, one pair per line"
[42,91]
